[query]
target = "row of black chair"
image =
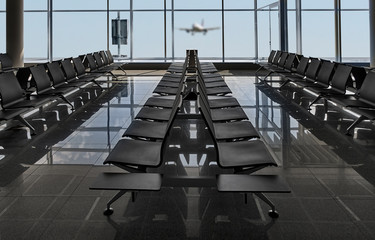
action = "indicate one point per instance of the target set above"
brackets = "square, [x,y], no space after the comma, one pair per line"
[27,88]
[348,86]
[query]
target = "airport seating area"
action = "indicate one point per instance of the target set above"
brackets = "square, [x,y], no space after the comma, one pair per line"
[238,149]
[329,83]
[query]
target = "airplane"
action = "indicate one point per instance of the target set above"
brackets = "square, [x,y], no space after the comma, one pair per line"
[196,27]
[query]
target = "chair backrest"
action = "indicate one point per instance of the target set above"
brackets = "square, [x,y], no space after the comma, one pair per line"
[271,56]
[99,60]
[104,57]
[282,60]
[367,90]
[6,62]
[302,66]
[56,74]
[325,73]
[291,60]
[68,68]
[358,76]
[110,57]
[40,78]
[312,69]
[91,61]
[341,78]
[78,65]
[276,59]
[10,90]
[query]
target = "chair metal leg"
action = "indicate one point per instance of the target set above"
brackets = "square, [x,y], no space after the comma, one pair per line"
[122,70]
[355,123]
[284,83]
[113,75]
[314,101]
[272,213]
[26,123]
[108,211]
[67,101]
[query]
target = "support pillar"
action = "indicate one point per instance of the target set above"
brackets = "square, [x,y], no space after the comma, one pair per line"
[283,24]
[372,32]
[14,31]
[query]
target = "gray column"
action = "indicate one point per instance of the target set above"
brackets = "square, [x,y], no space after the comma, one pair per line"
[299,26]
[14,31]
[338,52]
[283,24]
[372,32]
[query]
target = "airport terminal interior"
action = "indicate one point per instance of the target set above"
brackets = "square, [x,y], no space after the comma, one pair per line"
[63,157]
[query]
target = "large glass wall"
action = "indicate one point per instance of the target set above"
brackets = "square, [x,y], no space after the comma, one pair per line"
[161,29]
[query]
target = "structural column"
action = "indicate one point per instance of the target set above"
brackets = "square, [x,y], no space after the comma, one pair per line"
[372,32]
[283,15]
[14,31]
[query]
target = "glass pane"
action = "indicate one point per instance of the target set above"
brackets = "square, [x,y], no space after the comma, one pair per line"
[292,42]
[148,38]
[148,4]
[264,33]
[123,50]
[357,4]
[2,5]
[318,34]
[208,44]
[79,5]
[317,4]
[35,5]
[2,33]
[355,36]
[197,4]
[291,4]
[239,34]
[119,4]
[263,3]
[78,33]
[35,36]
[238,4]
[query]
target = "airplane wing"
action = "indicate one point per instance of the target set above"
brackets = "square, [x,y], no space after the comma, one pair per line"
[186,29]
[211,28]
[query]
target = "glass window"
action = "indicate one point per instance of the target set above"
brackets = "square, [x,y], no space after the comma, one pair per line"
[78,33]
[197,4]
[317,4]
[148,35]
[263,3]
[35,36]
[119,4]
[355,38]
[79,5]
[358,4]
[318,34]
[148,4]
[238,4]
[35,4]
[268,32]
[123,50]
[2,5]
[292,37]
[2,32]
[239,34]
[208,44]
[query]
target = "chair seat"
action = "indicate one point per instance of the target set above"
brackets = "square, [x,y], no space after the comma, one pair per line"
[218,91]
[166,90]
[160,102]
[146,129]
[136,153]
[235,130]
[223,102]
[228,114]
[244,154]
[159,114]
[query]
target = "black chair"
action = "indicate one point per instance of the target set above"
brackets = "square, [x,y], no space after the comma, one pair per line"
[58,77]
[44,87]
[6,62]
[14,101]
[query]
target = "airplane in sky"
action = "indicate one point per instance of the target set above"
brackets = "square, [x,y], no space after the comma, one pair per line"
[198,28]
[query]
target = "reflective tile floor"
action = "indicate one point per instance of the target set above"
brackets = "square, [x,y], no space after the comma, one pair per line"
[45,179]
